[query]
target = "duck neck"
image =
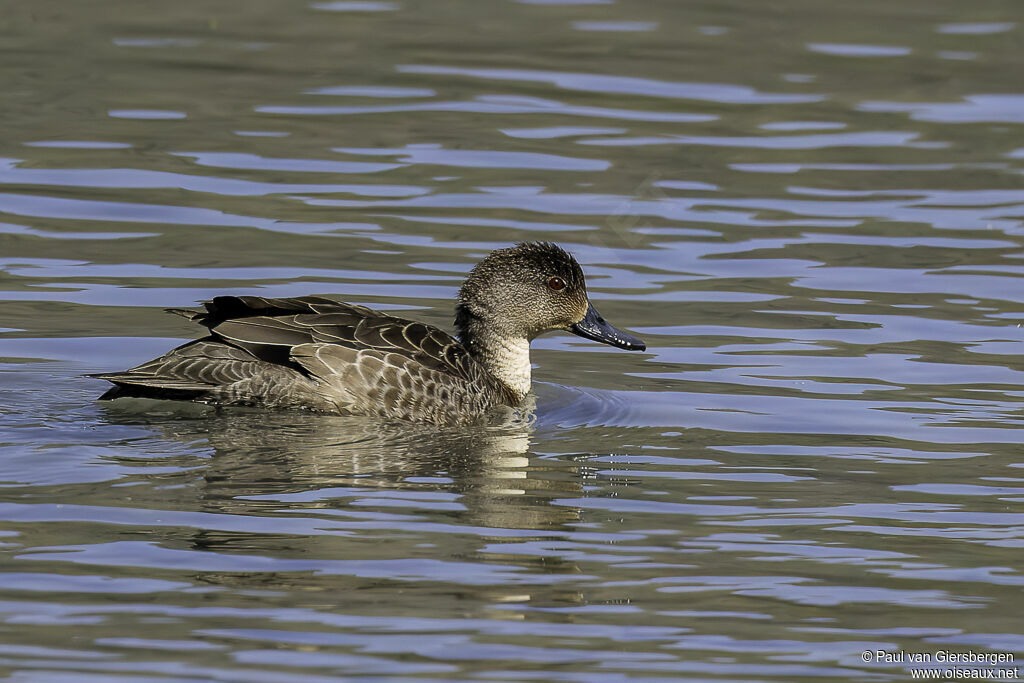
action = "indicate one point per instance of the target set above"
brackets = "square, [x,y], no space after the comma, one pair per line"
[506,356]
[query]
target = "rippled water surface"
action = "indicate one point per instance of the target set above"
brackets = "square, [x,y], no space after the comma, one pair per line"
[812,212]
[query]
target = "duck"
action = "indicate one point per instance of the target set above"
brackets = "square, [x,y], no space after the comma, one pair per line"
[316,353]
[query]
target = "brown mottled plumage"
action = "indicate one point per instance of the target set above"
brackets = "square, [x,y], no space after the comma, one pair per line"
[315,353]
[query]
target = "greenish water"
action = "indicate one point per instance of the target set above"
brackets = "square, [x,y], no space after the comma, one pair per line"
[812,213]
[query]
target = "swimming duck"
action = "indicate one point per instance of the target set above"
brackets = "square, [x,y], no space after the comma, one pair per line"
[315,353]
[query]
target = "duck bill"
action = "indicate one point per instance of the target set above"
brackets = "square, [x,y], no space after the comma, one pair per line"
[593,326]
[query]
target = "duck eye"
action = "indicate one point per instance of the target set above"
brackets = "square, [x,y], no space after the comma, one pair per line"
[556,283]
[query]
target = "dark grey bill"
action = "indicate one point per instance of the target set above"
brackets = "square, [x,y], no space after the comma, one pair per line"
[593,326]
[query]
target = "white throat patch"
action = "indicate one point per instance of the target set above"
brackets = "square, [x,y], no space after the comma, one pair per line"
[509,361]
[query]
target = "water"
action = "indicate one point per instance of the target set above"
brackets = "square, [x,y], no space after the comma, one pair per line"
[811,212]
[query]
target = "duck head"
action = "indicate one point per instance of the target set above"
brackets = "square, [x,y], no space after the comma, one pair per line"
[529,289]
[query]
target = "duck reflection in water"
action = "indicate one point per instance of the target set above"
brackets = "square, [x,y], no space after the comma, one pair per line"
[370,491]
[488,470]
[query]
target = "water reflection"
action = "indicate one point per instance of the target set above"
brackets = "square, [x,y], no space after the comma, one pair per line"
[488,476]
[283,499]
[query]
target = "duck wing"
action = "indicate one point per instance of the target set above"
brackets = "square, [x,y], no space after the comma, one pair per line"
[209,371]
[270,328]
